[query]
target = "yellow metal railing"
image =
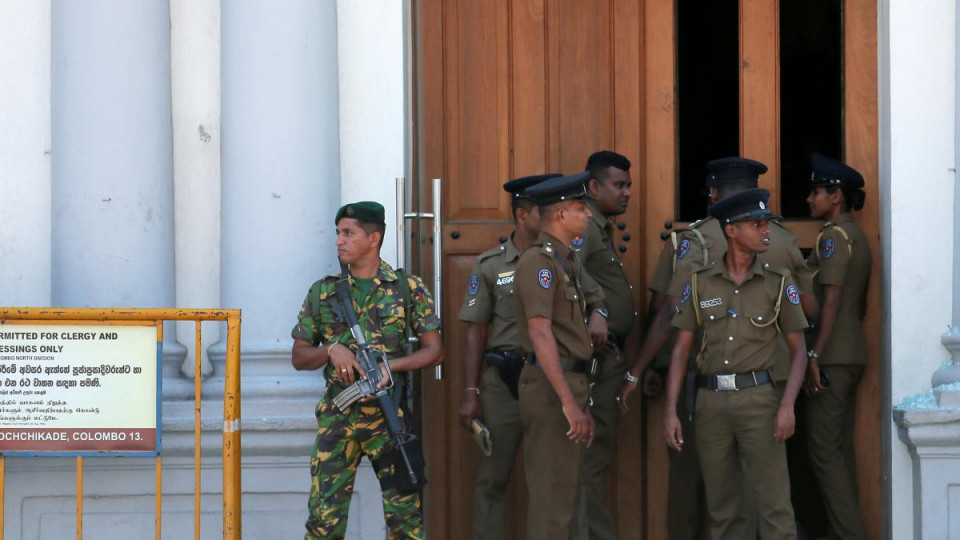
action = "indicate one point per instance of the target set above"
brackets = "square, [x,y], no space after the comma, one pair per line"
[231,402]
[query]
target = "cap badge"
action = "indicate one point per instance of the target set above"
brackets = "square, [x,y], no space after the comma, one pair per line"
[763,206]
[348,211]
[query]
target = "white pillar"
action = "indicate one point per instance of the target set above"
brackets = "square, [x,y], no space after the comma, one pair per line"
[112,188]
[25,153]
[917,58]
[280,156]
[371,54]
[195,75]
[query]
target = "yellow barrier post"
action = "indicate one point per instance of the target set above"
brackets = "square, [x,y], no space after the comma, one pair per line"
[231,433]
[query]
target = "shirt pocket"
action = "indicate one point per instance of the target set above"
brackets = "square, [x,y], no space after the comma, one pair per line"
[392,317]
[762,325]
[714,320]
[505,308]
[571,295]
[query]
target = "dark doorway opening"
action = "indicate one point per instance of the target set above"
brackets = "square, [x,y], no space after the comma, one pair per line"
[811,94]
[708,95]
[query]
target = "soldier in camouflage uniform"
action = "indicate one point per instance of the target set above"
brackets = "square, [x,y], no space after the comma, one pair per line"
[322,339]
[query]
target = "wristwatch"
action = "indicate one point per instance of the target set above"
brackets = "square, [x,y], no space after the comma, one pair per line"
[603,312]
[811,354]
[627,376]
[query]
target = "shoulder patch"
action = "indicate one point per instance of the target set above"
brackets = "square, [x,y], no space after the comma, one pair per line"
[827,247]
[578,241]
[683,248]
[793,295]
[685,295]
[545,278]
[473,285]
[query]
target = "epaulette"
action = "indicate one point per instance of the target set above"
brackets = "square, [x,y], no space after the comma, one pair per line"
[694,225]
[547,249]
[499,250]
[775,269]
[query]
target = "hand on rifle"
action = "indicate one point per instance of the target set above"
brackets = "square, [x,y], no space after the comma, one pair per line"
[384,381]
[344,362]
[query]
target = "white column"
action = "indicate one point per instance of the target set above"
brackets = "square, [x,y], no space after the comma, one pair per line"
[195,75]
[280,156]
[112,188]
[371,53]
[25,153]
[917,58]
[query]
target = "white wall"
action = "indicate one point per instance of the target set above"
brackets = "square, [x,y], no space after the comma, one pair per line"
[370,53]
[917,78]
[25,152]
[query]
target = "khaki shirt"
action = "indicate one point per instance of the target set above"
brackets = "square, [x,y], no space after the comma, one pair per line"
[489,296]
[595,249]
[783,252]
[544,289]
[738,320]
[843,258]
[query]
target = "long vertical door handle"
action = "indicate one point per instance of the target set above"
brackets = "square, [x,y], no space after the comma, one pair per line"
[438,259]
[401,222]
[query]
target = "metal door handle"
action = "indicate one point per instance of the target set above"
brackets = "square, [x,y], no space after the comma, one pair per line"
[402,217]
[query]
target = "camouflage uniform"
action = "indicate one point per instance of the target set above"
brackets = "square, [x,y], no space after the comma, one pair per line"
[344,437]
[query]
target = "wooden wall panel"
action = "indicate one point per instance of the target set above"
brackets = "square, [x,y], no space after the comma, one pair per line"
[583,67]
[861,152]
[475,44]
[660,166]
[528,92]
[626,486]
[759,89]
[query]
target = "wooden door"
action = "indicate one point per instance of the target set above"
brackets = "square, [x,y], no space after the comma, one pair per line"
[507,88]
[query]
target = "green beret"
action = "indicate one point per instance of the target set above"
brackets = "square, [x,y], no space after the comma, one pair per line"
[363,211]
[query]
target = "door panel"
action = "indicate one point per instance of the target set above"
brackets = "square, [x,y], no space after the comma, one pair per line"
[508,88]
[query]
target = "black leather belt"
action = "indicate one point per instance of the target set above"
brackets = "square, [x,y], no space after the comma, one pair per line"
[732,381]
[568,364]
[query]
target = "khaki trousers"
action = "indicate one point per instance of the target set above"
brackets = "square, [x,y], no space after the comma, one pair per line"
[551,460]
[685,493]
[593,520]
[501,414]
[734,431]
[830,421]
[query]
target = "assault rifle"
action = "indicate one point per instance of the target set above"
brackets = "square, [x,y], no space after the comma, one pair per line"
[371,359]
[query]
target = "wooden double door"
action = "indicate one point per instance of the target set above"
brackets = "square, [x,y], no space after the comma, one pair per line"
[508,88]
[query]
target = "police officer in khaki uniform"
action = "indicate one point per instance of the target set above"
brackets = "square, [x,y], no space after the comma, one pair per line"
[609,193]
[489,309]
[838,353]
[742,303]
[703,243]
[552,319]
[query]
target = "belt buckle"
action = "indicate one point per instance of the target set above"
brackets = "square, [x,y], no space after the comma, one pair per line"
[726,382]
